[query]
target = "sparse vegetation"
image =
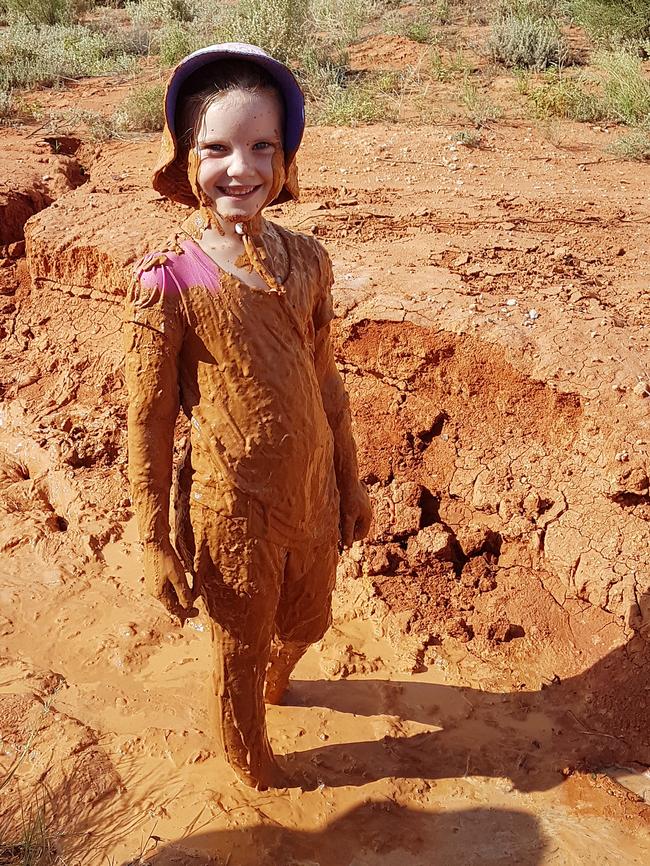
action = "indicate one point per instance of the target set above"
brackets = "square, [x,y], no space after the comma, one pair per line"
[339,99]
[46,11]
[571,98]
[618,92]
[523,40]
[156,12]
[448,67]
[478,107]
[634,145]
[33,55]
[616,22]
[142,110]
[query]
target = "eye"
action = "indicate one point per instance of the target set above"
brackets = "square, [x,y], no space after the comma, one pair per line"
[263,145]
[214,147]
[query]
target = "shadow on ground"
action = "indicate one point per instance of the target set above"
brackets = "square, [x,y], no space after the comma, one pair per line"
[535,738]
[372,834]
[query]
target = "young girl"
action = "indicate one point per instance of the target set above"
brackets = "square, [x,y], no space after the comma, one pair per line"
[232,324]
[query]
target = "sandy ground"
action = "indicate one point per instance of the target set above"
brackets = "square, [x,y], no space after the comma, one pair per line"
[486,680]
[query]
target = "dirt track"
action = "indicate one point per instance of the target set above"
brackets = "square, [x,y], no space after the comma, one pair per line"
[491,637]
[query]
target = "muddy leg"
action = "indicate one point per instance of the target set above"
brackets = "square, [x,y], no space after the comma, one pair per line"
[238,709]
[285,655]
[304,611]
[240,582]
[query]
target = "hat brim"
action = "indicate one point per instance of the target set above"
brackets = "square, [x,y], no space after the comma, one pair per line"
[294,101]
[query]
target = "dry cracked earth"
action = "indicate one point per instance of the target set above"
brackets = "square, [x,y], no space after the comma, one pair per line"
[483,695]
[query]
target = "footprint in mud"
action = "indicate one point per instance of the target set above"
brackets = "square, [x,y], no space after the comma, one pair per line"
[28,515]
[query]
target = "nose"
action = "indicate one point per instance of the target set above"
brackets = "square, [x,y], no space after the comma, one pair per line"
[240,164]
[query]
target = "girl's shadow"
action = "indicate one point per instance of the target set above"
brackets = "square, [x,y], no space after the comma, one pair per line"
[592,720]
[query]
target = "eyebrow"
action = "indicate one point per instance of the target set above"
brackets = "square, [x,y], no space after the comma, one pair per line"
[215,139]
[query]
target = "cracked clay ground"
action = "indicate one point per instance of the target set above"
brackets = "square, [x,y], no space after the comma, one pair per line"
[486,680]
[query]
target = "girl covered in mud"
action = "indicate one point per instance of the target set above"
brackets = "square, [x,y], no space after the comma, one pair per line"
[233,325]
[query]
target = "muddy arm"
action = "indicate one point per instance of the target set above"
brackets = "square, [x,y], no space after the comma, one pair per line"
[152,382]
[153,334]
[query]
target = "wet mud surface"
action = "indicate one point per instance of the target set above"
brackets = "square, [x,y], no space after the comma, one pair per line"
[488,665]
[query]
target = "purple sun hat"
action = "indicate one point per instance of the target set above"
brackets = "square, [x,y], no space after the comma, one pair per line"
[170,175]
[294,101]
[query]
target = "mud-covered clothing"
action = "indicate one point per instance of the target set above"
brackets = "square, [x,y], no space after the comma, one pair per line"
[271,445]
[250,368]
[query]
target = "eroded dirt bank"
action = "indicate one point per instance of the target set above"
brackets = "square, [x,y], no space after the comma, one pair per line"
[491,636]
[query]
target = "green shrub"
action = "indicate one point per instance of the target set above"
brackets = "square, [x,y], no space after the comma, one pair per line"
[278,26]
[528,42]
[142,110]
[176,42]
[33,55]
[46,11]
[615,21]
[626,89]
[533,8]
[147,12]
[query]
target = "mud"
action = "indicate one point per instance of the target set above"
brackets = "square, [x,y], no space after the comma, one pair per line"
[485,680]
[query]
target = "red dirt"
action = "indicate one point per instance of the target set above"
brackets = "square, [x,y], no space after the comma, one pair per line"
[508,458]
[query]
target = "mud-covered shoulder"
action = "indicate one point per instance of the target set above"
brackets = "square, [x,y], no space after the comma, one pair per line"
[155,278]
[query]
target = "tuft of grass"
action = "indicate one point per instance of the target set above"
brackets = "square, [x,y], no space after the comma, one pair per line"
[15,109]
[478,108]
[449,68]
[337,23]
[469,138]
[337,98]
[619,93]
[571,98]
[626,89]
[633,145]
[142,110]
[525,41]
[33,845]
[616,22]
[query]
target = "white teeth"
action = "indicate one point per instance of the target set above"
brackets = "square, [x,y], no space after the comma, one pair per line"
[237,192]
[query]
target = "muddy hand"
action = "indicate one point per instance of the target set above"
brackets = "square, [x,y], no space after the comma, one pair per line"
[356,514]
[166,580]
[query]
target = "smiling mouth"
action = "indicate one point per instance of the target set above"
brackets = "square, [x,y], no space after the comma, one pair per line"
[237,191]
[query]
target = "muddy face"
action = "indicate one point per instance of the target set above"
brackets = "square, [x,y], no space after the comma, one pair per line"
[240,157]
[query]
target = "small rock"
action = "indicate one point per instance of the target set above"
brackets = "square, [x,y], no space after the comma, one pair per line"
[432,542]
[642,389]
[16,250]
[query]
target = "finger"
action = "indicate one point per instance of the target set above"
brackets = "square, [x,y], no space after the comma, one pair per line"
[347,531]
[183,591]
[170,599]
